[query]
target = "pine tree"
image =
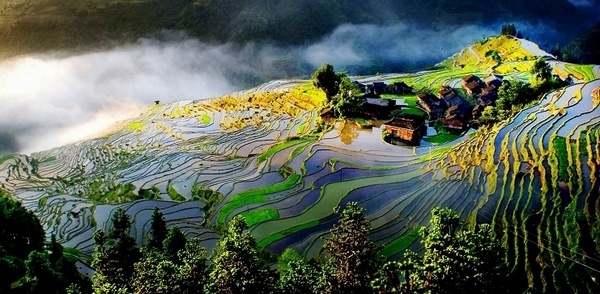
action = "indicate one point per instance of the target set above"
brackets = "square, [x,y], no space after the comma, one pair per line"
[459,260]
[115,256]
[155,275]
[174,242]
[351,254]
[158,230]
[236,266]
[194,268]
[300,276]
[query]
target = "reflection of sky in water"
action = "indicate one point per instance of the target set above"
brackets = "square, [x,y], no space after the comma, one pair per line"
[352,136]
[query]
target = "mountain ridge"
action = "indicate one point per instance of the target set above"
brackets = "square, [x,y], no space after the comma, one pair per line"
[40,26]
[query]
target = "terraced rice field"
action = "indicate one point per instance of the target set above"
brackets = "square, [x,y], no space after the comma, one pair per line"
[533,178]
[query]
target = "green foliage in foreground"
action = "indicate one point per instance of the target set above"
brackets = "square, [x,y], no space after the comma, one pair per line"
[455,259]
[29,264]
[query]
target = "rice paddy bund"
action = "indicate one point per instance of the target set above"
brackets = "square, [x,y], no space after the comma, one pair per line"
[263,153]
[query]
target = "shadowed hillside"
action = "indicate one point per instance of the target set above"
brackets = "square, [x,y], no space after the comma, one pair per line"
[34,26]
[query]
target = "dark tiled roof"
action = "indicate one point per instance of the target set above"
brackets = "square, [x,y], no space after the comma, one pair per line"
[406,123]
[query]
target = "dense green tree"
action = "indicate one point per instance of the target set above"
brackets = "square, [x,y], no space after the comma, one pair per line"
[327,80]
[156,275]
[457,259]
[541,70]
[114,256]
[509,30]
[158,230]
[297,276]
[174,242]
[194,268]
[39,277]
[389,280]
[351,254]
[27,265]
[236,267]
[20,230]
[349,100]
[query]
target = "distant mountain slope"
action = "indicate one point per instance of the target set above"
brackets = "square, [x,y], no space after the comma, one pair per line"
[501,53]
[585,48]
[34,26]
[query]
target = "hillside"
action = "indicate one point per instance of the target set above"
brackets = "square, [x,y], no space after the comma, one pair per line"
[585,48]
[37,26]
[266,154]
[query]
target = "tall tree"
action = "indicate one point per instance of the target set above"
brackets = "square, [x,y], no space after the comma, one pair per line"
[541,70]
[298,276]
[351,254]
[20,230]
[194,268]
[509,30]
[349,99]
[327,80]
[459,260]
[114,256]
[158,230]
[174,242]
[236,265]
[155,275]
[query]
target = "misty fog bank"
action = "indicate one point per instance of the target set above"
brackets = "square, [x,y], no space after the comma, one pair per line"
[48,101]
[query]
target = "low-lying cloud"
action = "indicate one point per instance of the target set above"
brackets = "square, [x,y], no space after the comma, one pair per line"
[45,100]
[351,45]
[50,101]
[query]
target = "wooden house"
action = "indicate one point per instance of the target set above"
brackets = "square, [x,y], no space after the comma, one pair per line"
[446,92]
[377,88]
[472,84]
[380,102]
[399,88]
[373,98]
[493,80]
[408,129]
[454,124]
[487,99]
[432,105]
[477,111]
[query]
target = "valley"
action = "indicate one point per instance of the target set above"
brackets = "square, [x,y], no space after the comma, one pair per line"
[266,154]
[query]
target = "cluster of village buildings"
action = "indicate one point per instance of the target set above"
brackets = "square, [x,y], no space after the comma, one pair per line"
[453,111]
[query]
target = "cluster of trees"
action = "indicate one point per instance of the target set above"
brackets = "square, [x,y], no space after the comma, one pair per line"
[514,95]
[29,264]
[509,30]
[342,94]
[455,260]
[585,48]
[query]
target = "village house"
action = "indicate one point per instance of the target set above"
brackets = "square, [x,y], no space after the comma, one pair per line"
[477,111]
[454,124]
[431,105]
[472,84]
[400,88]
[377,88]
[493,80]
[373,98]
[446,92]
[489,93]
[406,129]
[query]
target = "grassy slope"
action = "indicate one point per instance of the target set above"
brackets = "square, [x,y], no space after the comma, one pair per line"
[514,57]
